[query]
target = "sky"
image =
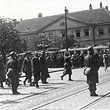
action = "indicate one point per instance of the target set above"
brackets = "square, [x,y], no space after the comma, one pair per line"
[28,9]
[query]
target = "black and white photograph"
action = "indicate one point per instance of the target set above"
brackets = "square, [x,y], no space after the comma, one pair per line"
[54,55]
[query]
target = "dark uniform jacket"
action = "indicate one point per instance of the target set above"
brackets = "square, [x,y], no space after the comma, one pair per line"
[14,65]
[44,68]
[27,68]
[36,69]
[92,62]
[67,69]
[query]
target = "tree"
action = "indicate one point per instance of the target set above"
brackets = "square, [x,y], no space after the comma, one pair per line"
[72,42]
[9,37]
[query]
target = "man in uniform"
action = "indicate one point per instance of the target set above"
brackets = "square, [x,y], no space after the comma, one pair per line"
[44,69]
[91,61]
[13,68]
[27,68]
[67,67]
[36,69]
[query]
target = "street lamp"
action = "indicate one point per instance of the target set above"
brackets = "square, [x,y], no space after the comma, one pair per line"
[66,11]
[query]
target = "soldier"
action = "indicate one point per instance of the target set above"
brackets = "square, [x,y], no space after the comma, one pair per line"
[91,61]
[27,68]
[44,69]
[67,67]
[13,69]
[36,69]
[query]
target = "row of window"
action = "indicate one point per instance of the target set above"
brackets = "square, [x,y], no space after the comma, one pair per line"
[87,32]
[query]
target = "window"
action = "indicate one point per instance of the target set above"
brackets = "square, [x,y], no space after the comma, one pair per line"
[50,33]
[62,23]
[108,31]
[78,33]
[86,31]
[101,32]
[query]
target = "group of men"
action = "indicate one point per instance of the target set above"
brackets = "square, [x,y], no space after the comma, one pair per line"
[35,66]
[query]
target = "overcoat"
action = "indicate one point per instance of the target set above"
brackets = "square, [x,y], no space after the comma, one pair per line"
[67,69]
[92,62]
[27,67]
[14,65]
[44,68]
[2,72]
[36,69]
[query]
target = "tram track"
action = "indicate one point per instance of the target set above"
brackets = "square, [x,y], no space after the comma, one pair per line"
[74,93]
[53,89]
[55,99]
[95,102]
[42,93]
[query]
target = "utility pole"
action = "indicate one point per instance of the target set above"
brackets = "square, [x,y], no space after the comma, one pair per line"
[66,35]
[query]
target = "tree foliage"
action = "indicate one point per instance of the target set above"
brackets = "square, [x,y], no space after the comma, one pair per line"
[71,42]
[9,37]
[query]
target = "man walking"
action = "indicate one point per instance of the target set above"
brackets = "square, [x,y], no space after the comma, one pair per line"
[27,68]
[67,67]
[44,69]
[36,69]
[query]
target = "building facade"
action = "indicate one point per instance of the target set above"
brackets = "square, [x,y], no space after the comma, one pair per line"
[87,27]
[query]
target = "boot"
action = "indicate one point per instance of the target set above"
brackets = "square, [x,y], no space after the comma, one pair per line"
[24,82]
[70,80]
[70,77]
[2,85]
[94,94]
[37,86]
[61,77]
[45,82]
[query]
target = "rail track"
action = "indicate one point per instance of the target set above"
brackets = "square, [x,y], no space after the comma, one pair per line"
[62,93]
[82,89]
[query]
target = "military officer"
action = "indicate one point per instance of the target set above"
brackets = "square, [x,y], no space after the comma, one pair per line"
[91,61]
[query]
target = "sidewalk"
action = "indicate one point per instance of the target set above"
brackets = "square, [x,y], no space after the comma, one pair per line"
[54,69]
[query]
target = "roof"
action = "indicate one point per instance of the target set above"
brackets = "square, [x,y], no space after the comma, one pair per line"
[36,23]
[100,15]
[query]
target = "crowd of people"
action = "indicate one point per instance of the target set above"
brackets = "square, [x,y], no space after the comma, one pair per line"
[31,65]
[56,60]
[37,66]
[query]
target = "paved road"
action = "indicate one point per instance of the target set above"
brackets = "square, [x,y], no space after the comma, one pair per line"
[59,94]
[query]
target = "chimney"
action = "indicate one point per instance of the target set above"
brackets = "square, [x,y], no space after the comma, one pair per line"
[101,5]
[106,7]
[39,15]
[90,7]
